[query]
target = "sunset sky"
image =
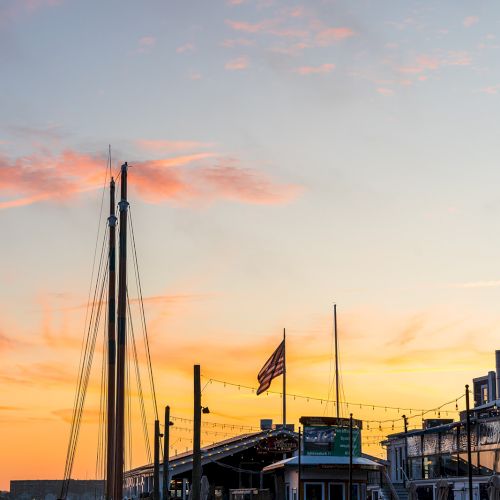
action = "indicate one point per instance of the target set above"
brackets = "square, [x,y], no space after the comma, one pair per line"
[285,156]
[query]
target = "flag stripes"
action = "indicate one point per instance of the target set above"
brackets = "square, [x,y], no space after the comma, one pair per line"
[273,367]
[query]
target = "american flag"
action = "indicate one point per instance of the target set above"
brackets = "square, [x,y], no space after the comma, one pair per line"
[273,367]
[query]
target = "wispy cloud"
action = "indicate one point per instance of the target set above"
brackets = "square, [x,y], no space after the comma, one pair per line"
[314,70]
[477,284]
[237,42]
[13,9]
[385,91]
[145,45]
[167,146]
[193,177]
[470,21]
[330,35]
[237,64]
[187,47]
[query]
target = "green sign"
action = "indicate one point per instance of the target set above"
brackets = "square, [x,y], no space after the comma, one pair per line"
[329,440]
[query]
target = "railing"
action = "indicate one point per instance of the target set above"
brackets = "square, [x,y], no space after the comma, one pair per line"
[388,481]
[407,479]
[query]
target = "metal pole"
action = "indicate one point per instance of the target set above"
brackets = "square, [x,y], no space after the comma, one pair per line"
[349,496]
[166,460]
[336,359]
[196,478]
[110,445]
[284,378]
[300,464]
[121,352]
[156,469]
[469,450]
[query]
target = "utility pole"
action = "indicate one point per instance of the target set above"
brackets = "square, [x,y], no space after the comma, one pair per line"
[110,445]
[469,451]
[121,352]
[156,469]
[196,478]
[349,496]
[166,460]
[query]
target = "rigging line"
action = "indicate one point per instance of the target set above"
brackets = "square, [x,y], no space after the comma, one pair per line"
[78,393]
[88,369]
[78,410]
[84,346]
[143,316]
[139,383]
[101,410]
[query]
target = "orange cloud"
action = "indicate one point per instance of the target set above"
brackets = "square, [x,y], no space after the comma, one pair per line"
[385,91]
[237,64]
[183,178]
[311,70]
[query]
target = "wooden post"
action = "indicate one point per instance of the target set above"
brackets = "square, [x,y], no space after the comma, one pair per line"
[110,445]
[166,460]
[121,351]
[349,496]
[469,450]
[196,477]
[300,464]
[156,466]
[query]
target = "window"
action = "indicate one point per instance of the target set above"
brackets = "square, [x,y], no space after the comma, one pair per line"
[336,491]
[314,491]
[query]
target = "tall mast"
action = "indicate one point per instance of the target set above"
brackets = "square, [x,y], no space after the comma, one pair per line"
[121,352]
[336,359]
[110,447]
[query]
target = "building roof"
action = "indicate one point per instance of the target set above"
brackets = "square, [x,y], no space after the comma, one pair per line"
[211,453]
[342,462]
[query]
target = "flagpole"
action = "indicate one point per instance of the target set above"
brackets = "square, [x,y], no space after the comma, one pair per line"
[284,378]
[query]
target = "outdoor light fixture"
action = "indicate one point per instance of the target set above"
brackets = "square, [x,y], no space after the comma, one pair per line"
[204,409]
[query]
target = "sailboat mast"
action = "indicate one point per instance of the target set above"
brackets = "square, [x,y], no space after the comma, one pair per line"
[110,446]
[336,359]
[121,351]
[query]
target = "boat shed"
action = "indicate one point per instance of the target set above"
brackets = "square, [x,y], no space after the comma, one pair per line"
[235,463]
[323,477]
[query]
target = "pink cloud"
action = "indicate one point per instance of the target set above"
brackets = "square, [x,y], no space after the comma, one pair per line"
[187,47]
[470,21]
[249,27]
[11,10]
[195,75]
[145,44]
[196,177]
[460,58]
[385,91]
[234,2]
[312,70]
[237,64]
[492,89]
[423,63]
[330,35]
